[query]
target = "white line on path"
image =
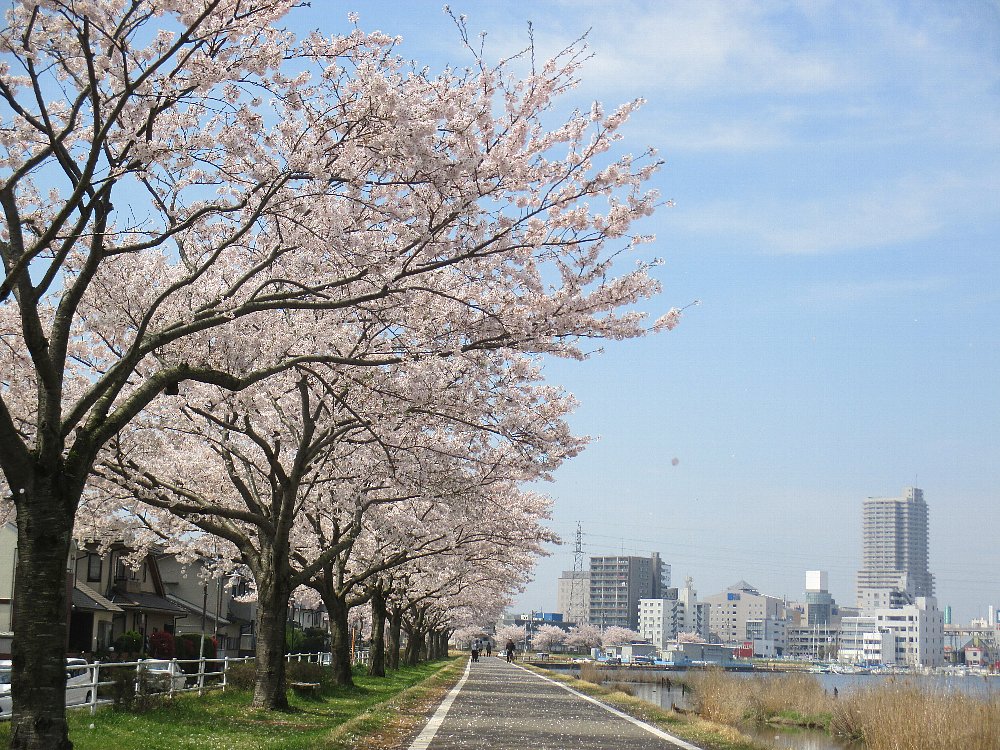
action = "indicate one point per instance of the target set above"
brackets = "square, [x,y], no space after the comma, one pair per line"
[639,723]
[423,739]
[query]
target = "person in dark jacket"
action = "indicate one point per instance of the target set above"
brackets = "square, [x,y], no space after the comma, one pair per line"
[509,648]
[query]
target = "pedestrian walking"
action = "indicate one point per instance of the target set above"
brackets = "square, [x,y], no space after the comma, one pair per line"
[510,651]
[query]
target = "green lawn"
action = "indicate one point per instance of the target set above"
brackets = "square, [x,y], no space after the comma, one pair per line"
[225,721]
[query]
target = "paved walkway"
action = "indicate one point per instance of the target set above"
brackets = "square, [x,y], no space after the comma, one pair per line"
[503,706]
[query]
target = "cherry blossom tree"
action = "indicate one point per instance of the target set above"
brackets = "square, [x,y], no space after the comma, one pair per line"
[584,637]
[686,637]
[618,636]
[515,633]
[547,637]
[167,142]
[307,486]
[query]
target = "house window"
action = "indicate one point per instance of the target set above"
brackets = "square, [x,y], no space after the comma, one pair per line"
[125,573]
[94,565]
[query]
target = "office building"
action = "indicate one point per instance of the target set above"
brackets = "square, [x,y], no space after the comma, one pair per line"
[737,606]
[894,556]
[819,604]
[617,583]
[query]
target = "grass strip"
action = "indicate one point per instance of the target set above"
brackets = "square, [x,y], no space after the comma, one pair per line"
[372,715]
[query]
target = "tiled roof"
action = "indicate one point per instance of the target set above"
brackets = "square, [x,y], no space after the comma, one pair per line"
[85,597]
[193,609]
[147,601]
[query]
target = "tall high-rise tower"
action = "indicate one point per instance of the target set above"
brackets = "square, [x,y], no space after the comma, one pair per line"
[894,557]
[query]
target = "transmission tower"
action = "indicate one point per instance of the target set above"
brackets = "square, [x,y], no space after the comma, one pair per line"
[576,579]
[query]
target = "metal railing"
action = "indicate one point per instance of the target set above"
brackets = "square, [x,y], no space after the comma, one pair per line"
[211,674]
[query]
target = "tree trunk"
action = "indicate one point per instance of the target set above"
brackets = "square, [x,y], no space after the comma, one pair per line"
[40,613]
[414,647]
[376,663]
[395,636]
[273,593]
[340,638]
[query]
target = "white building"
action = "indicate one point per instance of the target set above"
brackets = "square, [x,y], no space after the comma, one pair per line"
[736,606]
[863,641]
[678,611]
[912,635]
[769,636]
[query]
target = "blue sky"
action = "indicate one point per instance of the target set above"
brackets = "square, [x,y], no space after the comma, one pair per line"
[836,173]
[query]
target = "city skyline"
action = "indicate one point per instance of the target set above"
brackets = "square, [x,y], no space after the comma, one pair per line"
[833,169]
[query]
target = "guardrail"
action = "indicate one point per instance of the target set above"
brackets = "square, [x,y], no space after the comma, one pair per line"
[211,674]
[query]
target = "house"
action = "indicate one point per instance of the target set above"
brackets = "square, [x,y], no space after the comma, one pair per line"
[976,654]
[110,598]
[207,603]
[8,558]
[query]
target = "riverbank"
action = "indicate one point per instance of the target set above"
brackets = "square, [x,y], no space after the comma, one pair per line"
[887,715]
[688,726]
[376,714]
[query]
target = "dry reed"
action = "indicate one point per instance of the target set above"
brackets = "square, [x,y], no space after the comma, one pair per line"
[591,673]
[904,716]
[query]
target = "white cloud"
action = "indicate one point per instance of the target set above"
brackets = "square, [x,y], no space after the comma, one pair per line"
[872,290]
[702,47]
[907,209]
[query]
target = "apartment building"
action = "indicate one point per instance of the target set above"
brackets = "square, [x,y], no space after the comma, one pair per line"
[895,567]
[617,583]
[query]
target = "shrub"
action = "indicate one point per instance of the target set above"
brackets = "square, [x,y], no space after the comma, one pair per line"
[132,692]
[314,642]
[129,642]
[161,645]
[186,647]
[242,676]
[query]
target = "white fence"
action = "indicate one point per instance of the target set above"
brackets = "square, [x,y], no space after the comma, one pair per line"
[162,677]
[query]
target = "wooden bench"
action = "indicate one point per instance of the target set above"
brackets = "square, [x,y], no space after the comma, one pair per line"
[305,688]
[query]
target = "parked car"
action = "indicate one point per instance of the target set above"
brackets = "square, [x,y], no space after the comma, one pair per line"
[5,666]
[79,684]
[162,674]
[642,659]
[582,660]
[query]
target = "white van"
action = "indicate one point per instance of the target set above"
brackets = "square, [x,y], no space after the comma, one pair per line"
[163,674]
[79,684]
